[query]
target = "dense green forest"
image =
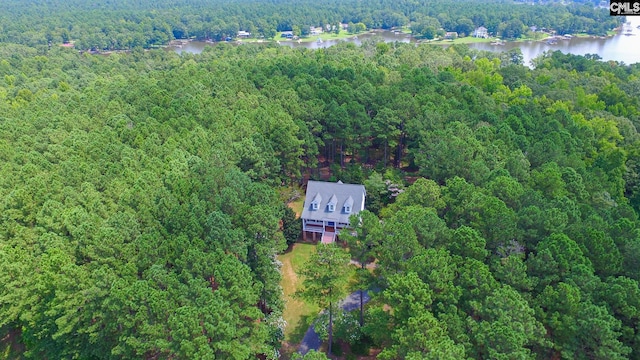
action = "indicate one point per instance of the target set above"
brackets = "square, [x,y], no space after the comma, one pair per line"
[123,24]
[140,216]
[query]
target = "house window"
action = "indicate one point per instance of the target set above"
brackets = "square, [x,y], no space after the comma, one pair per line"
[315,203]
[331,205]
[348,204]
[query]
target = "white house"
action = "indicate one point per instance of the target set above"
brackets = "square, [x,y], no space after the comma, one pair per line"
[327,208]
[315,30]
[450,35]
[481,32]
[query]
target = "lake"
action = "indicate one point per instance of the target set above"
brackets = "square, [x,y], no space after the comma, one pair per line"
[621,47]
[196,47]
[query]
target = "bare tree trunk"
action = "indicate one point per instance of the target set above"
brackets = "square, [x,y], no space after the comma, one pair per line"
[386,145]
[327,151]
[366,155]
[333,155]
[361,309]
[330,329]
[399,155]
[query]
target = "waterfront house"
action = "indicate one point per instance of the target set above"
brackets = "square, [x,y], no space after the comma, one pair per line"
[481,32]
[315,30]
[327,208]
[451,35]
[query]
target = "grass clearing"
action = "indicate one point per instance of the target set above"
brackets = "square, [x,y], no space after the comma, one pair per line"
[297,313]
[471,40]
[462,40]
[253,40]
[323,36]
[293,196]
[296,206]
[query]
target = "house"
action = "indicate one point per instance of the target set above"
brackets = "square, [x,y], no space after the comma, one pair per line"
[327,208]
[451,35]
[315,30]
[287,34]
[481,32]
[244,34]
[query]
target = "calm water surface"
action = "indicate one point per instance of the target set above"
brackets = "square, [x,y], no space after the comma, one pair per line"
[196,47]
[621,47]
[386,36]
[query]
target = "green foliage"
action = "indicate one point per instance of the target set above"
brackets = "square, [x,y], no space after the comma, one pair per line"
[129,25]
[380,191]
[346,326]
[145,248]
[325,275]
[325,279]
[507,326]
[423,192]
[291,226]
[468,242]
[417,333]
[140,217]
[311,355]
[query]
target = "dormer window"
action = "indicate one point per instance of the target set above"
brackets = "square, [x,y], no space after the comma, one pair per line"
[333,201]
[315,203]
[348,204]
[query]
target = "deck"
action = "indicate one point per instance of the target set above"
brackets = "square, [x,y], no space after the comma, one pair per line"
[313,228]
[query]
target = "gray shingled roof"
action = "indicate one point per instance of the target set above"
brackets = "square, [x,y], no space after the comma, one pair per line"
[352,194]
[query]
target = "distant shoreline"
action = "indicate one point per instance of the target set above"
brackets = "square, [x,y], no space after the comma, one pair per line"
[345,36]
[498,41]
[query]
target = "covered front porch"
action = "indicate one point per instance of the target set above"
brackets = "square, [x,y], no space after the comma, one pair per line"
[325,231]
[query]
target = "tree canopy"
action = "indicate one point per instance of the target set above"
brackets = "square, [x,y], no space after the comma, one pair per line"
[140,217]
[125,24]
